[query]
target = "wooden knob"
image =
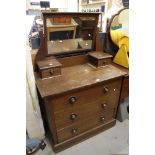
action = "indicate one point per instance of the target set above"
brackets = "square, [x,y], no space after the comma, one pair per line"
[104,62]
[74,131]
[51,71]
[73,116]
[104,105]
[102,118]
[72,99]
[105,90]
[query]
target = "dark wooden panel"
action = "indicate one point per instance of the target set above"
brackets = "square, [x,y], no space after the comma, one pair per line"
[88,95]
[125,83]
[99,58]
[49,114]
[81,137]
[64,119]
[125,88]
[78,128]
[47,73]
[103,62]
[74,60]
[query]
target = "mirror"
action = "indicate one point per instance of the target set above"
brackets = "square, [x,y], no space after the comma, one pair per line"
[70,33]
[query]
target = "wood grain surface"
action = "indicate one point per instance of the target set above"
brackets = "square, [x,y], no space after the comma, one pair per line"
[76,77]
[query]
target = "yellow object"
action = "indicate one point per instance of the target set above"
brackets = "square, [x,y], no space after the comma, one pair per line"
[122,41]
[121,57]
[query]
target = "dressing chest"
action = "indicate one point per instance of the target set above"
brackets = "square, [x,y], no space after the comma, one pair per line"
[78,86]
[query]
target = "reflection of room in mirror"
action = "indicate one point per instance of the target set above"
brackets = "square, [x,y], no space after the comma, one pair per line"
[66,33]
[61,28]
[68,45]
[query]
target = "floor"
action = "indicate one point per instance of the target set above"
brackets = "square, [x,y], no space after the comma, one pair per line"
[113,141]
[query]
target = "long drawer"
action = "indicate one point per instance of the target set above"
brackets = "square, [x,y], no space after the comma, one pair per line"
[67,117]
[110,89]
[84,125]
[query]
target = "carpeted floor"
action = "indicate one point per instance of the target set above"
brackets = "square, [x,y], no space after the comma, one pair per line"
[113,141]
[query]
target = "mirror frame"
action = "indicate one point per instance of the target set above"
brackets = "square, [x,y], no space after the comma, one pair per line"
[42,52]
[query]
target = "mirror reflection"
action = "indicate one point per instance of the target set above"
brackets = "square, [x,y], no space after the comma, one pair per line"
[67,34]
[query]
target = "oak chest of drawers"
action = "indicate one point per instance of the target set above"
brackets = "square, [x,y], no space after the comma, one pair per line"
[78,109]
[78,86]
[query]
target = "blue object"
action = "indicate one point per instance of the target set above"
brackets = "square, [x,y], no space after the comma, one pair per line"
[32,143]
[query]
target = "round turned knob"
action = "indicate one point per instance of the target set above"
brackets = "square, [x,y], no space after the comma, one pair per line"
[74,131]
[105,90]
[72,99]
[51,71]
[104,105]
[102,118]
[104,62]
[73,116]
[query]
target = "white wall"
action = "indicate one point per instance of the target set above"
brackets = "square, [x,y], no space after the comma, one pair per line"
[72,6]
[63,5]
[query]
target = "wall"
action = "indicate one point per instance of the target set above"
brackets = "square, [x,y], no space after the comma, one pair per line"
[63,5]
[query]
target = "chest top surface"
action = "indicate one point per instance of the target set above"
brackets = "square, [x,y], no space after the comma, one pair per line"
[100,55]
[48,63]
[76,77]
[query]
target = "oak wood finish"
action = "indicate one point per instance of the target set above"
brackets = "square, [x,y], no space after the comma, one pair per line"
[49,68]
[83,136]
[77,128]
[99,59]
[125,83]
[82,101]
[76,77]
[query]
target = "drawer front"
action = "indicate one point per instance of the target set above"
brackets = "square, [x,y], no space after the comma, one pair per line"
[85,125]
[103,62]
[109,90]
[67,117]
[46,73]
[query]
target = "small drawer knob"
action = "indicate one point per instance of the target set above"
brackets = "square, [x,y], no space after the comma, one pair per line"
[72,99]
[105,90]
[74,131]
[73,116]
[104,105]
[51,71]
[104,62]
[102,118]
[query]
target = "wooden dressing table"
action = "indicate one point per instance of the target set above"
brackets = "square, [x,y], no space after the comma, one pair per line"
[79,88]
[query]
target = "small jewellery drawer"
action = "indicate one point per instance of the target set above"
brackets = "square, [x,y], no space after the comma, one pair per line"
[84,125]
[49,68]
[46,73]
[110,90]
[70,116]
[104,62]
[99,59]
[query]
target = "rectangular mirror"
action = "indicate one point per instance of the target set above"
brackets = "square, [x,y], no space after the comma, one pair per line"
[70,33]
